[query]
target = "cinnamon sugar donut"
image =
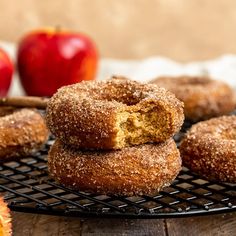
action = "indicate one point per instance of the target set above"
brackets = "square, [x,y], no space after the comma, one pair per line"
[209,149]
[21,132]
[203,97]
[113,114]
[137,170]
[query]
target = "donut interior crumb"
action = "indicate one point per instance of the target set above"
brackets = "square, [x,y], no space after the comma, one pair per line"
[144,125]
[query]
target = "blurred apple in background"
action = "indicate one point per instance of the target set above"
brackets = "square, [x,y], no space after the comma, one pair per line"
[50,58]
[6,71]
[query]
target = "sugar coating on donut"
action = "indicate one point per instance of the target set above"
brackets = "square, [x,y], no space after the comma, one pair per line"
[137,170]
[22,132]
[203,97]
[209,149]
[113,114]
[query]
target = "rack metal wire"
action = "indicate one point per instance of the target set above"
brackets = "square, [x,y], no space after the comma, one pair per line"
[26,187]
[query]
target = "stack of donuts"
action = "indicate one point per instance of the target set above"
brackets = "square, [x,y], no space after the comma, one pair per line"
[114,137]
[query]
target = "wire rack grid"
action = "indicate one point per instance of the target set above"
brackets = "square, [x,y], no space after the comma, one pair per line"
[26,187]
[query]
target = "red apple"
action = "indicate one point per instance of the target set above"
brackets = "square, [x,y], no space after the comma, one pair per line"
[6,71]
[50,58]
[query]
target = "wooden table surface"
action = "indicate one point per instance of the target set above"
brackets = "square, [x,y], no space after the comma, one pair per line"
[25,224]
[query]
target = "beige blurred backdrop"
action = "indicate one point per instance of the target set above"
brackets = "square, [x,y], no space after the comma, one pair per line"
[183,30]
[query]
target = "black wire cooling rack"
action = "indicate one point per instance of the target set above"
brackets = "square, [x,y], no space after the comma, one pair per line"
[26,187]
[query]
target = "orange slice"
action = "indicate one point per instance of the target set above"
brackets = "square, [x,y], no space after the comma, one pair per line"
[5,219]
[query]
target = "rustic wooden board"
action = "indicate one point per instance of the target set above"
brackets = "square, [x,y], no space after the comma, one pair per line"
[222,225]
[43,225]
[118,227]
[25,224]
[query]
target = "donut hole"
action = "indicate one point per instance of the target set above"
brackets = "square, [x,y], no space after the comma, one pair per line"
[129,101]
[129,98]
[142,126]
[194,80]
[123,92]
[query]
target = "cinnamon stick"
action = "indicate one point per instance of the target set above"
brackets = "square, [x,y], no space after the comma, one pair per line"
[24,101]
